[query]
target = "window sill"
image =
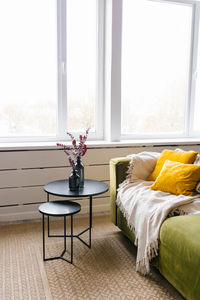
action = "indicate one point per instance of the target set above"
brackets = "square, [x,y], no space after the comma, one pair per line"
[25,146]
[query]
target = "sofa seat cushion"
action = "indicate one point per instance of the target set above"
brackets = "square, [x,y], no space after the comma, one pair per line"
[179,254]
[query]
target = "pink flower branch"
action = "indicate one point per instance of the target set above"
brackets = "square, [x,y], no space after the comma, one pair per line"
[77,150]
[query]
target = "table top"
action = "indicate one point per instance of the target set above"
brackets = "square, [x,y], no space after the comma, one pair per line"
[59,208]
[61,188]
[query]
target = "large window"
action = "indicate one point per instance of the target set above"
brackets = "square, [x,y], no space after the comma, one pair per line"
[28,68]
[128,69]
[160,59]
[49,74]
[156,41]
[81,63]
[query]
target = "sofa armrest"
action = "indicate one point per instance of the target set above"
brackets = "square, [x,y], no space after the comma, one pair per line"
[118,172]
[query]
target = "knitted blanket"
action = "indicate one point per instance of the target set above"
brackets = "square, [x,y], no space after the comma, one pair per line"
[145,209]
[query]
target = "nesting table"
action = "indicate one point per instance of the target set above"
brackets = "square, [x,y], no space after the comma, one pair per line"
[68,208]
[59,209]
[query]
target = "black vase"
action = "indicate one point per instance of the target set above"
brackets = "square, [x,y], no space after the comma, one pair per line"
[74,181]
[80,171]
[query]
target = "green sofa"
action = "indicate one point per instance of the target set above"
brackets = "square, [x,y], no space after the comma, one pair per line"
[179,250]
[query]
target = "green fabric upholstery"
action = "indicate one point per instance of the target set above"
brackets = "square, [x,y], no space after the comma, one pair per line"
[118,170]
[179,252]
[179,255]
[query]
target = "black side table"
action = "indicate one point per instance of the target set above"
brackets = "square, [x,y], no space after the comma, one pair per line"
[59,209]
[91,188]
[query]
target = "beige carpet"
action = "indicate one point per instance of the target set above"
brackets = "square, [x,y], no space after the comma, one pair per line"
[107,271]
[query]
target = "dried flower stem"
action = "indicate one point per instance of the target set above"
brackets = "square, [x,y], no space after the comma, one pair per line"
[77,151]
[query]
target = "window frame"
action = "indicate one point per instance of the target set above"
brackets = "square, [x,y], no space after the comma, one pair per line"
[62,77]
[108,79]
[188,132]
[194,65]
[61,113]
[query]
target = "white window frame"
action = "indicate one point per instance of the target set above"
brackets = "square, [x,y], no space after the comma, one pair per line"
[108,91]
[115,107]
[62,77]
[61,113]
[193,74]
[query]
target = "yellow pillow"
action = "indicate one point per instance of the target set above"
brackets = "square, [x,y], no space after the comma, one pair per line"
[186,157]
[177,178]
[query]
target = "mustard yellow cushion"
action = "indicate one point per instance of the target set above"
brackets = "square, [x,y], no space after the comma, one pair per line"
[177,178]
[186,157]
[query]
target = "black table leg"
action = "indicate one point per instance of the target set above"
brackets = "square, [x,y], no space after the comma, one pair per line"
[48,217]
[43,229]
[90,226]
[48,221]
[71,239]
[64,233]
[89,245]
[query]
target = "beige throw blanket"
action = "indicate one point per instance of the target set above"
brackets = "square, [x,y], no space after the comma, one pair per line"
[145,209]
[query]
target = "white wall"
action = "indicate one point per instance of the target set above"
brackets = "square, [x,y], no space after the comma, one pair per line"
[23,174]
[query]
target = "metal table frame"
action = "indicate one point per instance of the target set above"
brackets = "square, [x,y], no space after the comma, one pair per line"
[59,209]
[61,256]
[77,235]
[91,188]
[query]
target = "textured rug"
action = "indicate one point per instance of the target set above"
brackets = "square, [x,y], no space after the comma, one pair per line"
[107,271]
[20,274]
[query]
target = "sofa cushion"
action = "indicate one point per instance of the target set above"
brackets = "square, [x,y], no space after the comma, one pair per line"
[141,165]
[177,178]
[179,254]
[186,157]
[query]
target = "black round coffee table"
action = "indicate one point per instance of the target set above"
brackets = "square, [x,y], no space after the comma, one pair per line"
[91,188]
[61,188]
[59,209]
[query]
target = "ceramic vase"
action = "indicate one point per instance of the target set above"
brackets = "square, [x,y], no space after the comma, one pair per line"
[80,171]
[74,181]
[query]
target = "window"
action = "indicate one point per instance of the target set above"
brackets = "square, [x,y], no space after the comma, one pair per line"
[28,72]
[81,64]
[159,69]
[195,95]
[156,39]
[62,59]
[49,73]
